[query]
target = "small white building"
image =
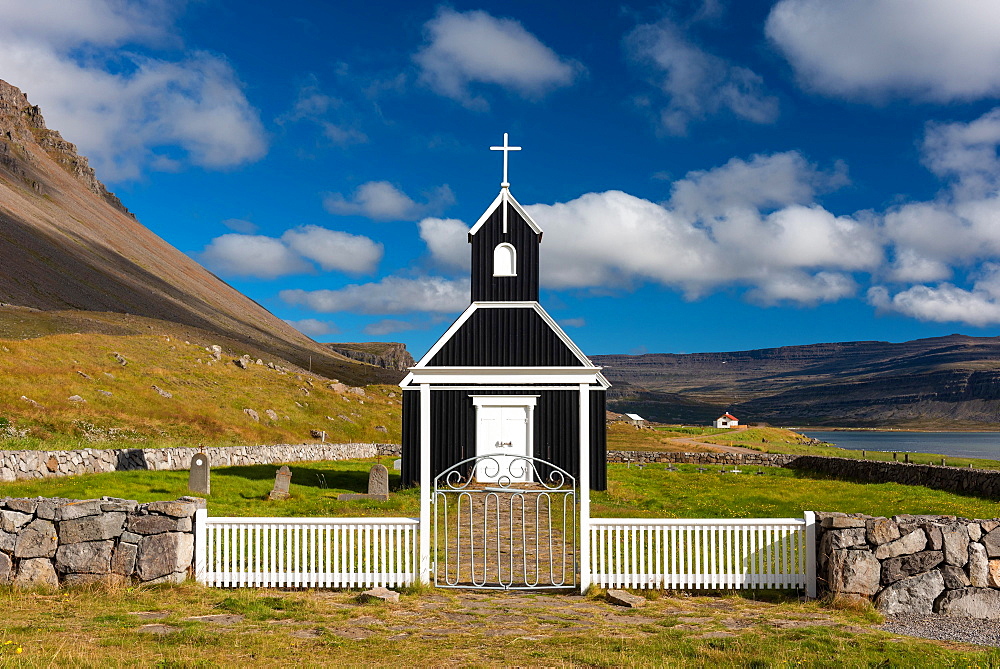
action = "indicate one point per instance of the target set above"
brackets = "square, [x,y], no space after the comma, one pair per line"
[726,420]
[635,419]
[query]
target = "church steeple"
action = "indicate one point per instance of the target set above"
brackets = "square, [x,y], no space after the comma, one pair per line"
[505,247]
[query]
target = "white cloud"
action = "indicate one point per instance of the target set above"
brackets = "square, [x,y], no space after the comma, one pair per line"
[959,227]
[909,266]
[268,257]
[447,240]
[763,182]
[615,239]
[573,322]
[127,112]
[468,48]
[801,288]
[314,106]
[966,153]
[712,233]
[252,255]
[391,295]
[239,225]
[335,250]
[946,302]
[388,326]
[924,49]
[314,327]
[696,84]
[381,201]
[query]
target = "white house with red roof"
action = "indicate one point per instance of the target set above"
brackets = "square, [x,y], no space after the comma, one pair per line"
[726,420]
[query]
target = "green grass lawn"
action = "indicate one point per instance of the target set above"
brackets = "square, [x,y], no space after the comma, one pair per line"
[651,492]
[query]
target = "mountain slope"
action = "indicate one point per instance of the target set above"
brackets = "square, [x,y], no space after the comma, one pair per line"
[949,381]
[67,243]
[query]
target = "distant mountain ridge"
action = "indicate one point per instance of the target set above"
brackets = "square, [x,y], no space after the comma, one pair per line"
[66,242]
[951,381]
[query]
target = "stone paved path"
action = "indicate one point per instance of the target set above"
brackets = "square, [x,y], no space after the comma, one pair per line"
[483,545]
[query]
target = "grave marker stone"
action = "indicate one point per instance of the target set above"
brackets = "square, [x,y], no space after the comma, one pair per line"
[282,478]
[378,480]
[378,486]
[200,477]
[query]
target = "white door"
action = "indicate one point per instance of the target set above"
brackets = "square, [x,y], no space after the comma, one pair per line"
[503,430]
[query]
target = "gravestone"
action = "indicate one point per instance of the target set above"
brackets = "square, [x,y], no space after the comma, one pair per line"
[378,480]
[282,478]
[200,478]
[378,486]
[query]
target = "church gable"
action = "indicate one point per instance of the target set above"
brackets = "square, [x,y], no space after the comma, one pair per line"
[505,256]
[505,336]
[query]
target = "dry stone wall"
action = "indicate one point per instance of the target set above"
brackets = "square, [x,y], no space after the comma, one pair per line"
[53,542]
[15,465]
[734,459]
[980,482]
[922,565]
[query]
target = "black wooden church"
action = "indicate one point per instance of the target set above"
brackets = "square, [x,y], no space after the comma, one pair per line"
[504,378]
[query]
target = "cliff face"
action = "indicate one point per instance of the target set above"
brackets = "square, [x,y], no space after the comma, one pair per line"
[68,243]
[22,124]
[387,355]
[944,381]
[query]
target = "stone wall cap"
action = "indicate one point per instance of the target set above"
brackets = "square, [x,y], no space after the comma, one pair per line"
[176,509]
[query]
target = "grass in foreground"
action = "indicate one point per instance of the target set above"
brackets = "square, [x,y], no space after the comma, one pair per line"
[447,628]
[651,492]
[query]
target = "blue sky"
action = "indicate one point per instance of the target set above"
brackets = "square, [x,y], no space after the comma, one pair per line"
[709,175]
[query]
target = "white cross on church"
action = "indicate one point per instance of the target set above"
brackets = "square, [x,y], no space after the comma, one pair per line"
[505,148]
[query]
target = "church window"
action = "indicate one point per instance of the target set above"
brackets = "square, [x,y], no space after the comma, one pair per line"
[504,260]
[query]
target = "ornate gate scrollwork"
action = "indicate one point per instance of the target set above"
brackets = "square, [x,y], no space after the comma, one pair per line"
[516,530]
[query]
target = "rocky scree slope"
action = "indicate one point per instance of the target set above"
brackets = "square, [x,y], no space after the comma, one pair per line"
[68,243]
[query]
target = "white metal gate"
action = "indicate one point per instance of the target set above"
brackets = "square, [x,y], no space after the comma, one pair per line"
[505,523]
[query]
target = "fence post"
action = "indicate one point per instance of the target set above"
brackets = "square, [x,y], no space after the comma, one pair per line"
[424,558]
[201,545]
[584,484]
[810,518]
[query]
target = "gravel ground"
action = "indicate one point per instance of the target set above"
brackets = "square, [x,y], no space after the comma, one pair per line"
[943,628]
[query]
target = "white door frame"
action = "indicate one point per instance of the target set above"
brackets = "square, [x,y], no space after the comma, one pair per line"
[527,402]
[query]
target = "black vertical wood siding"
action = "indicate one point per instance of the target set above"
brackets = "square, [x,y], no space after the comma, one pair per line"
[453,431]
[598,440]
[489,288]
[505,337]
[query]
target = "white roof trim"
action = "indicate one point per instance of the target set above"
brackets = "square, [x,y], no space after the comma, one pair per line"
[504,195]
[504,375]
[504,400]
[409,383]
[449,333]
[475,306]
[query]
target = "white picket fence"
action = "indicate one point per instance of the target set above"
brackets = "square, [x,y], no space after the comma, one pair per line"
[305,552]
[675,554]
[697,554]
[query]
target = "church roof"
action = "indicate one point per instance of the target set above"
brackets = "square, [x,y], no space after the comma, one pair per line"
[505,196]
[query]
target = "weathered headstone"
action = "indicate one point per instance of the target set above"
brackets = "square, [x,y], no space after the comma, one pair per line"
[200,478]
[378,486]
[282,479]
[378,480]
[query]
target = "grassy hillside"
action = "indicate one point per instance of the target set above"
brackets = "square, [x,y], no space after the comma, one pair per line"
[121,407]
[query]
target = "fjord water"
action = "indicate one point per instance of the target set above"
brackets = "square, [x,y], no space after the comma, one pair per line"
[959,444]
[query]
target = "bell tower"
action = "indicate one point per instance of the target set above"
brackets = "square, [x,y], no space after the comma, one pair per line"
[505,247]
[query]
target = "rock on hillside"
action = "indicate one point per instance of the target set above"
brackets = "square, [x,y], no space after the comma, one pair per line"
[938,382]
[68,243]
